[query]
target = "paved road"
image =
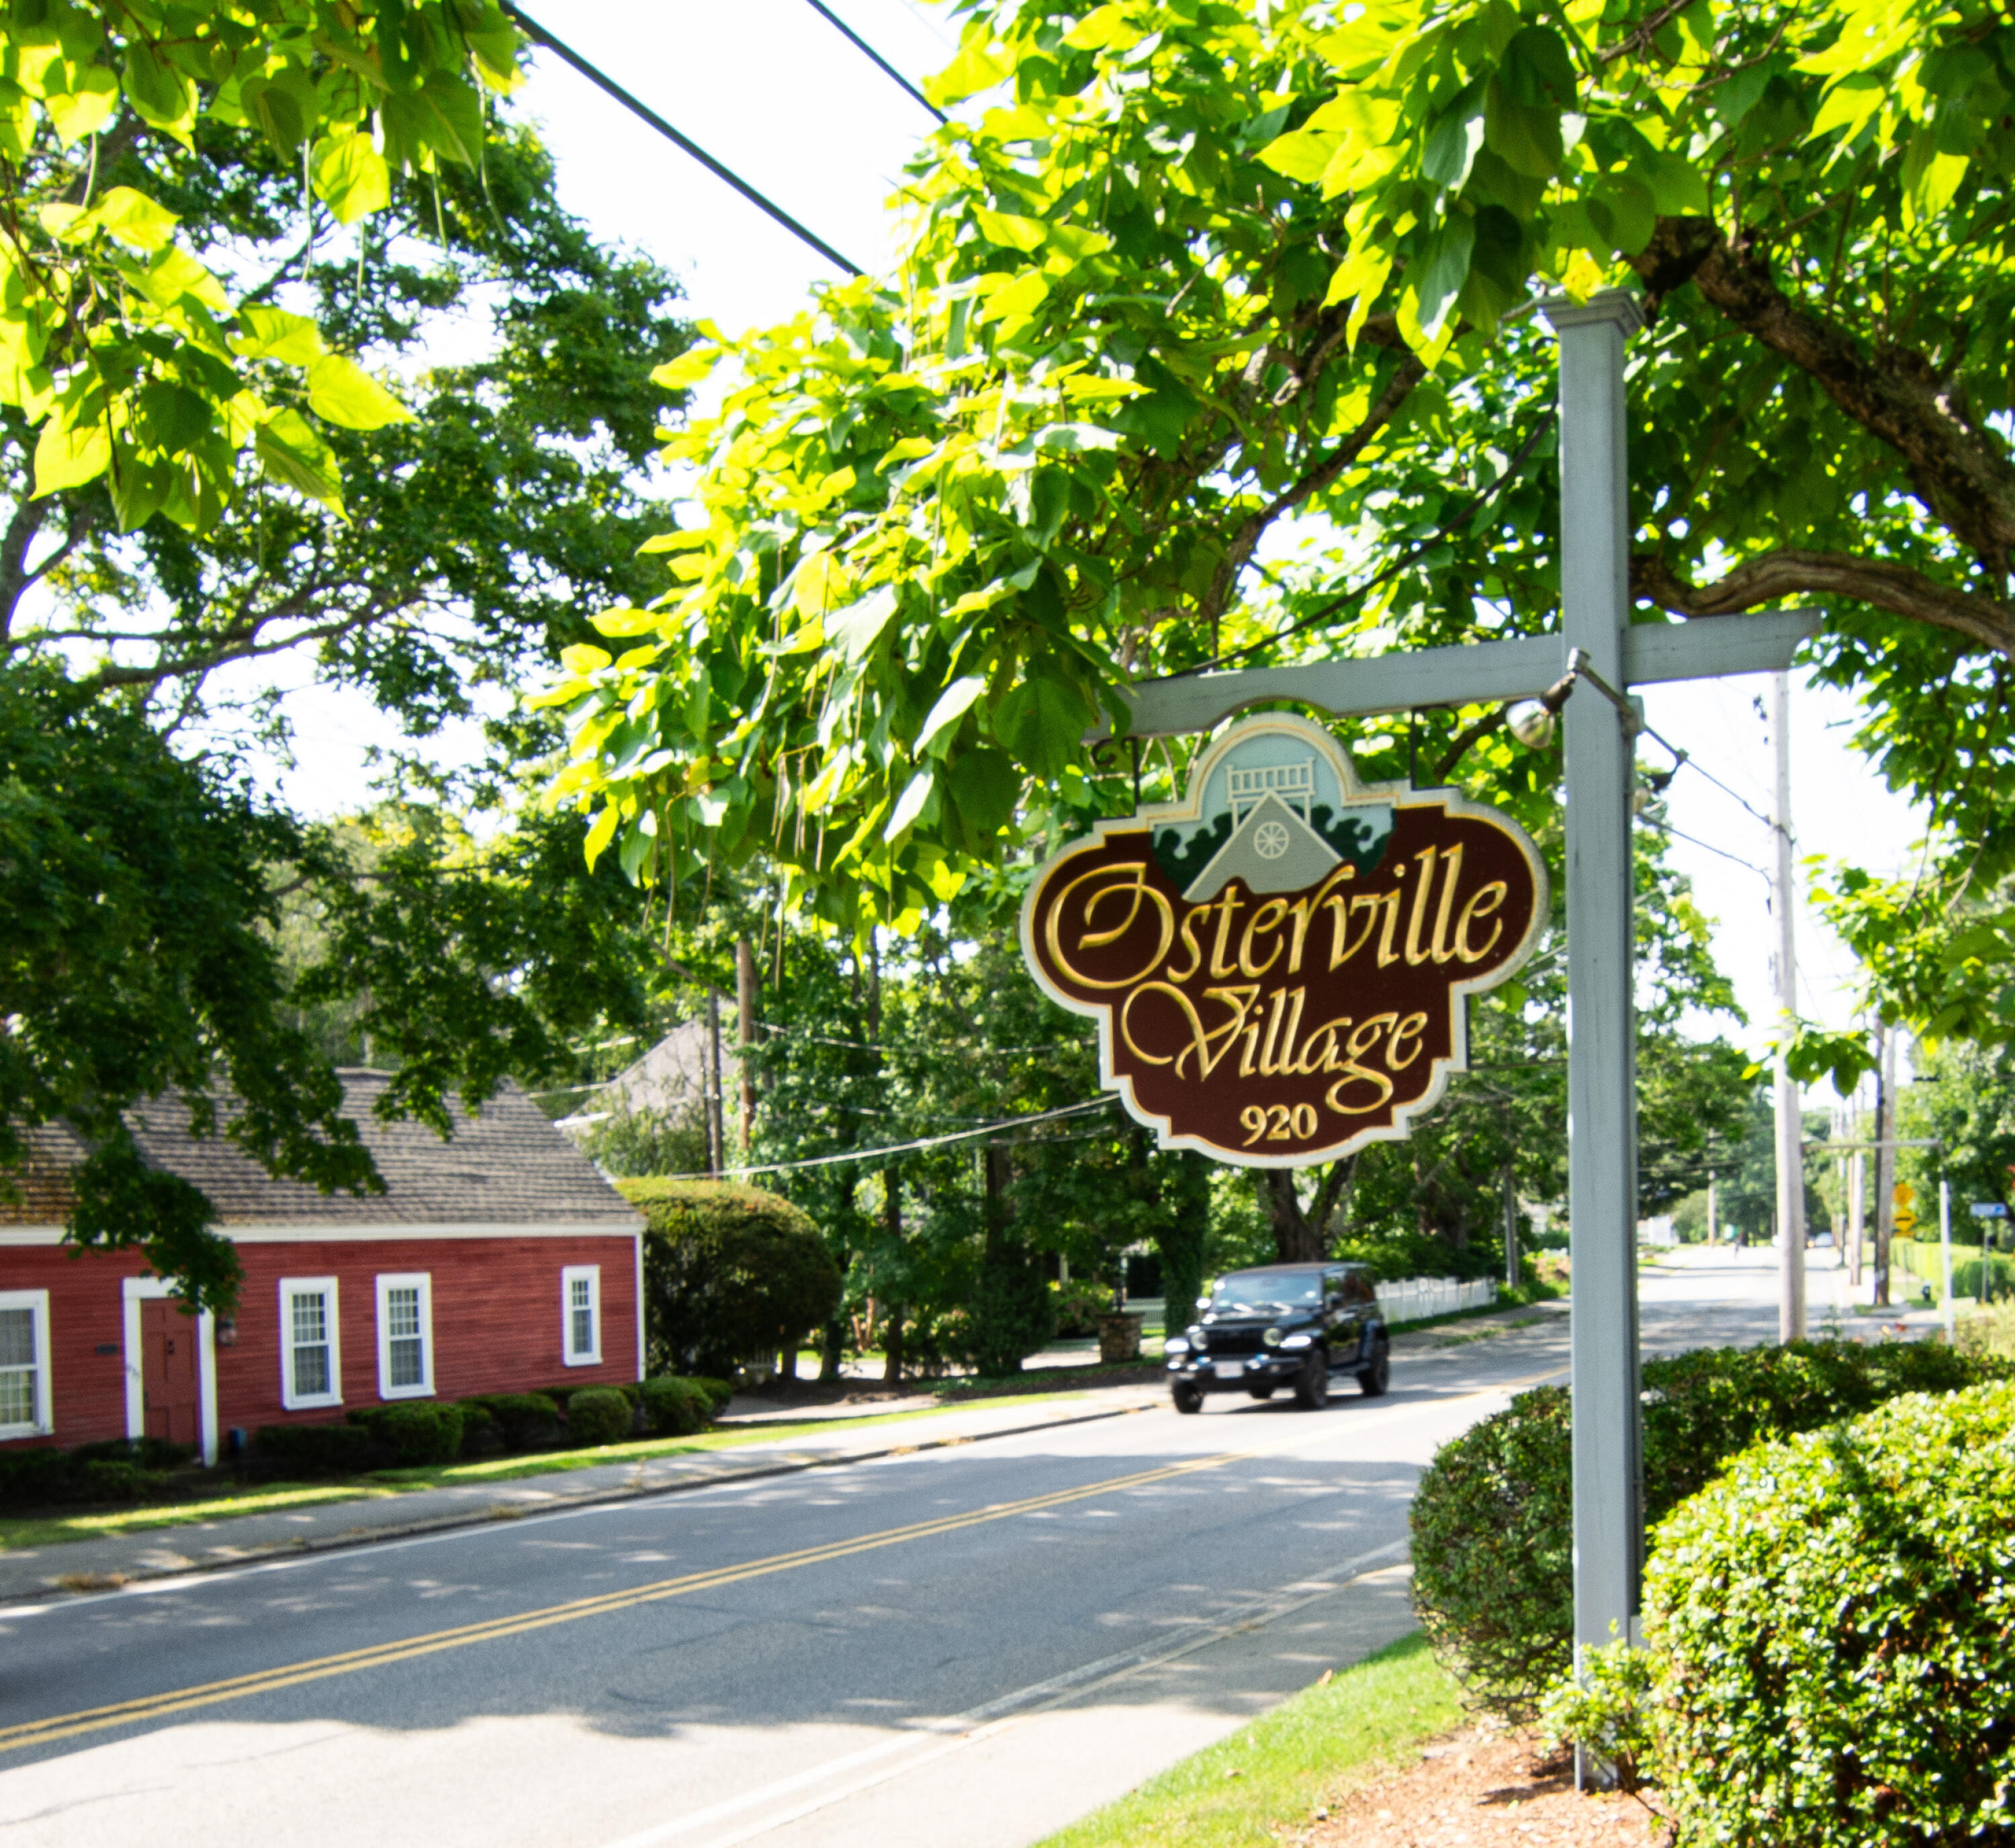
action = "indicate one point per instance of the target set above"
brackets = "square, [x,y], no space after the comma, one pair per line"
[983,1642]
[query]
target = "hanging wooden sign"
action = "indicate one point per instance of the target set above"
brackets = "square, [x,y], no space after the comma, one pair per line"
[1278,962]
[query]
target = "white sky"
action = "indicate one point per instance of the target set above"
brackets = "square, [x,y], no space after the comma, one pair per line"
[825,134]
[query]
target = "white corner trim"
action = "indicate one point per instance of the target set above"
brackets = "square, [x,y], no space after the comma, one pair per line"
[422,1281]
[133,1291]
[640,1305]
[37,1303]
[569,1276]
[289,1399]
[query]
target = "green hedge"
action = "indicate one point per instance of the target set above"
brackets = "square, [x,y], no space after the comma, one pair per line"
[414,1433]
[1925,1260]
[118,1469]
[1492,1523]
[316,1449]
[729,1272]
[598,1414]
[1832,1627]
[525,1420]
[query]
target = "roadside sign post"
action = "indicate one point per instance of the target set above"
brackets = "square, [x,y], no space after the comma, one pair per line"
[1945,1252]
[1604,655]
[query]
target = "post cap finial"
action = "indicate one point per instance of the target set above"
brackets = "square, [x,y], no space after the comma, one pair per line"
[1618,306]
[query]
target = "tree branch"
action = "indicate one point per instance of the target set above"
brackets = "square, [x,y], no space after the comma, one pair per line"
[1896,588]
[1960,470]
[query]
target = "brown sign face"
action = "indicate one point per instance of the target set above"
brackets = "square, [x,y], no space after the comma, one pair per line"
[1278,963]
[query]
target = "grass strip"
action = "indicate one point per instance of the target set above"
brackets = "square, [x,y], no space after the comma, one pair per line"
[1269,1778]
[19,1532]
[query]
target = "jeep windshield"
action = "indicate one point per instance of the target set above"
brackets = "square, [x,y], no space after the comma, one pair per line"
[1266,1293]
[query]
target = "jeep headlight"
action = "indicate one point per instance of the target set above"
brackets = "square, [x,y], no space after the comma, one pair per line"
[1175,1344]
[1272,1337]
[1298,1341]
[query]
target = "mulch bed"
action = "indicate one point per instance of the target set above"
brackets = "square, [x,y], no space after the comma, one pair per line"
[1484,1788]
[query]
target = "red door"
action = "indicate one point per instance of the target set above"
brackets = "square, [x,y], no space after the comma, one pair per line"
[169,1378]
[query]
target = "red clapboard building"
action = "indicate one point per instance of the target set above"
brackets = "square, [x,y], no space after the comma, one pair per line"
[499,1260]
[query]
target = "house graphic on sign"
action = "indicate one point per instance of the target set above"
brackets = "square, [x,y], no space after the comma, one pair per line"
[1272,848]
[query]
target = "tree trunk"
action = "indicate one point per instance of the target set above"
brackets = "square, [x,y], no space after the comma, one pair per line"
[1295,1241]
[745,997]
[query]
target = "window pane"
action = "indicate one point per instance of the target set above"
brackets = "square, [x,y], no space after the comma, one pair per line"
[311,1318]
[407,1359]
[311,1371]
[402,1311]
[17,1337]
[17,1395]
[583,1292]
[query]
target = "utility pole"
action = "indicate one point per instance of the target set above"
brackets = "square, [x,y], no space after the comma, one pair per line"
[1790,1129]
[1511,1231]
[745,998]
[714,1152]
[1713,1208]
[1885,1158]
[1856,1179]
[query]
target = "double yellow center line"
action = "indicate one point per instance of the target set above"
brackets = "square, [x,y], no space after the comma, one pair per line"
[294,1674]
[269,1680]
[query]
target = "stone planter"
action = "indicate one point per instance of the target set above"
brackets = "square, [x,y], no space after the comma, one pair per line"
[1120,1338]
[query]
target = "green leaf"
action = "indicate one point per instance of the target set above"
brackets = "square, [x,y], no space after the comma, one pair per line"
[1301,154]
[974,69]
[273,333]
[856,627]
[68,455]
[1445,270]
[350,176]
[340,391]
[161,96]
[1007,228]
[600,834]
[138,489]
[136,220]
[84,109]
[294,455]
[915,794]
[952,705]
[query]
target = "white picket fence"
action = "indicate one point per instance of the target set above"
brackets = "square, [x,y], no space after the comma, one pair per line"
[1415,1299]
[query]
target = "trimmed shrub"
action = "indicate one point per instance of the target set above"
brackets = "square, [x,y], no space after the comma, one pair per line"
[314,1449]
[675,1407]
[116,1469]
[27,1477]
[525,1420]
[112,1479]
[1492,1521]
[1832,1630]
[409,1435]
[729,1272]
[718,1393]
[597,1415]
[481,1435]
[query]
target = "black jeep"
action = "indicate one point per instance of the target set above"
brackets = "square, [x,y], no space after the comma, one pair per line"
[1288,1325]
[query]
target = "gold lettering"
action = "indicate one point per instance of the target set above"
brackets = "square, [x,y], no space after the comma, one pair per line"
[1478,908]
[1267,918]
[1276,1057]
[1228,903]
[1239,1000]
[1387,902]
[1388,955]
[1140,888]
[1411,1027]
[1319,1049]
[1302,911]
[1247,1065]
[1423,886]
[1367,1035]
[1451,874]
[1197,914]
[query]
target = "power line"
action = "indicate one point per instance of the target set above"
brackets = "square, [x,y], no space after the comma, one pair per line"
[904,1148]
[861,44]
[1666,828]
[602,81]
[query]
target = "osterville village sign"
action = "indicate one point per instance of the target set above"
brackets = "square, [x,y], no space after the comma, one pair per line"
[1278,963]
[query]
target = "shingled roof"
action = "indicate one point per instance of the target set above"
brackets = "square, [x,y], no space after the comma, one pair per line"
[506,1165]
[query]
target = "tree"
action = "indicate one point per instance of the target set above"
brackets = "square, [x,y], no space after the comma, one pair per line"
[196,476]
[1963,1099]
[1201,273]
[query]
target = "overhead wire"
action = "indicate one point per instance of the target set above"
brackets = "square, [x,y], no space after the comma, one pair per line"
[602,81]
[874,57]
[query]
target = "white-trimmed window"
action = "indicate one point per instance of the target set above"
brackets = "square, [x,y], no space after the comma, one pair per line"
[310,1350]
[580,1310]
[405,1335]
[25,1404]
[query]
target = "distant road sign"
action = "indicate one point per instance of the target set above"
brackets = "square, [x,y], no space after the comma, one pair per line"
[1903,1194]
[1989,1209]
[1905,1221]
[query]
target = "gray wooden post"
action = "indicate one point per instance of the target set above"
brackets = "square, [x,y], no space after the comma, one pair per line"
[1602,1100]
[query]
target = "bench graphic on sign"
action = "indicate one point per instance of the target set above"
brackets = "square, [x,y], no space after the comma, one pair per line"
[1278,963]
